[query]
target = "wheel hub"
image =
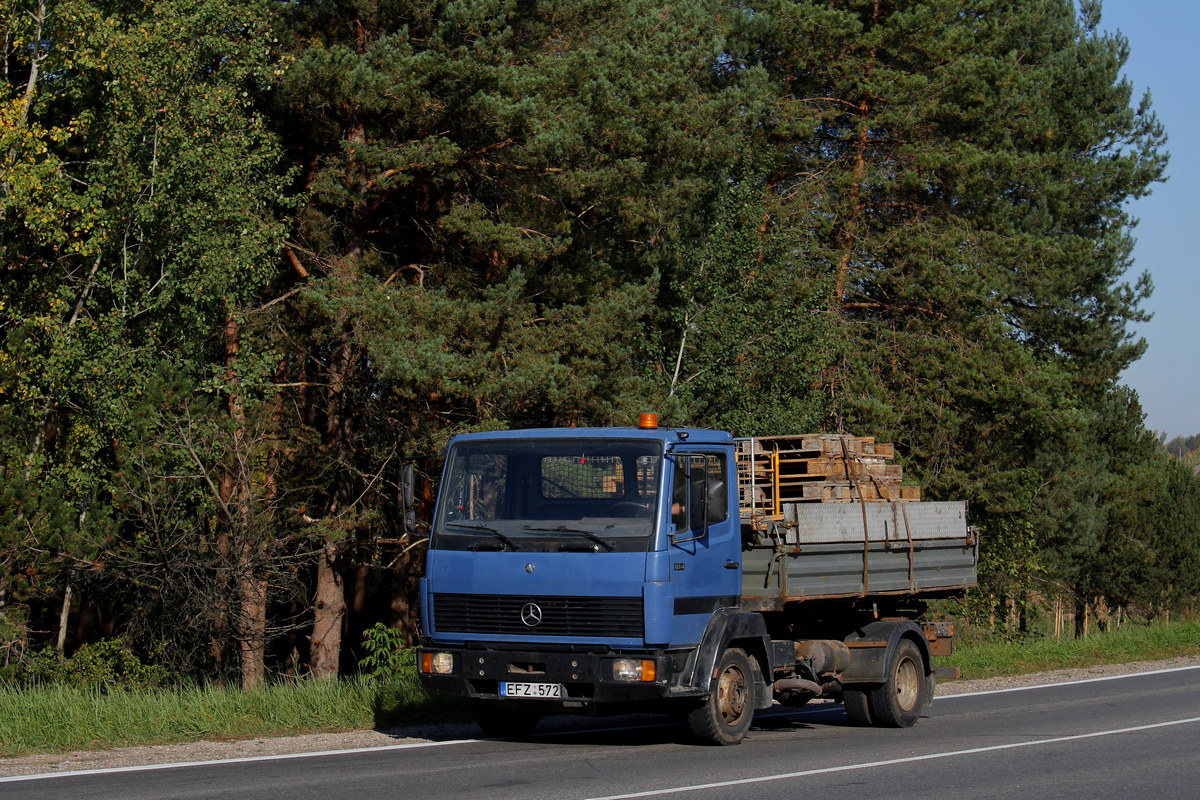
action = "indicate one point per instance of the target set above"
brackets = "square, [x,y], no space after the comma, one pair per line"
[908,684]
[732,694]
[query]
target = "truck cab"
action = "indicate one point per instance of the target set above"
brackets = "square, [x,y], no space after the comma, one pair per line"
[577,569]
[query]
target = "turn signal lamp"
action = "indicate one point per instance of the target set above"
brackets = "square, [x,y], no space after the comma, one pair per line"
[648,420]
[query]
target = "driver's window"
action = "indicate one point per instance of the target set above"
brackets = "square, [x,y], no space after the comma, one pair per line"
[679,493]
[716,493]
[699,495]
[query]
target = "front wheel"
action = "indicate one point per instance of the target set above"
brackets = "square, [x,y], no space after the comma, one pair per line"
[725,716]
[897,702]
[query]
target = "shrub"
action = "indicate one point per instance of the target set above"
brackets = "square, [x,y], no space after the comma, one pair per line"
[103,666]
[386,655]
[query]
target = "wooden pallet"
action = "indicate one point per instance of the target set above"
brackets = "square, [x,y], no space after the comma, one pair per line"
[818,468]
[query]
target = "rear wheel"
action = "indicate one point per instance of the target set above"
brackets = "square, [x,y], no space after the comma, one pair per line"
[501,722]
[897,703]
[726,714]
[857,709]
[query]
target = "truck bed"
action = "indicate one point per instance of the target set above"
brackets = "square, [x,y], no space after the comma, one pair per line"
[827,550]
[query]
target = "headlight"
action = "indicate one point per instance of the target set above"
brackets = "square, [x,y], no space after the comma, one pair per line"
[437,663]
[632,669]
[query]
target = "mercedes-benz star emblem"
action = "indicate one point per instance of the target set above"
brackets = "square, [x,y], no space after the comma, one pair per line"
[531,614]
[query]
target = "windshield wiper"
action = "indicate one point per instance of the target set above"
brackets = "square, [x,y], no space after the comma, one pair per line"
[564,529]
[485,529]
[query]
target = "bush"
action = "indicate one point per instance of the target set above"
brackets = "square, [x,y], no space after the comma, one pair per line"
[102,666]
[12,648]
[386,657]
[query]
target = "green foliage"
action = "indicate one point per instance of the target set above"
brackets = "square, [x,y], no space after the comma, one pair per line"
[256,254]
[131,238]
[104,667]
[1185,448]
[61,717]
[386,655]
[962,172]
[1129,643]
[745,345]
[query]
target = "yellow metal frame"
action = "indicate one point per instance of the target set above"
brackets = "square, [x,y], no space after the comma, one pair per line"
[776,506]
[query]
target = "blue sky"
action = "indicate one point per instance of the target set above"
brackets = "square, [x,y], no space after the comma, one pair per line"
[1162,38]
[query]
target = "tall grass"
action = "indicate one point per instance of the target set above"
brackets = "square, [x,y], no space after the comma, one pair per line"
[1131,642]
[58,718]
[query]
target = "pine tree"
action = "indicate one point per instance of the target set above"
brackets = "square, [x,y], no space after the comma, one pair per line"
[492,186]
[966,168]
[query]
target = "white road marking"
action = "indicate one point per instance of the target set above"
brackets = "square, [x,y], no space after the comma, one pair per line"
[890,761]
[1069,683]
[243,760]
[419,745]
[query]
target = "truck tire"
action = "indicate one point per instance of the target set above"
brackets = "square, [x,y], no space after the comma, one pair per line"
[898,701]
[500,722]
[857,708]
[726,714]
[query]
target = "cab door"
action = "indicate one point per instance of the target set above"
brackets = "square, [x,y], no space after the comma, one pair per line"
[704,541]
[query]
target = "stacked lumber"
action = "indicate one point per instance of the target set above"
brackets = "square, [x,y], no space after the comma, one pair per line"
[817,468]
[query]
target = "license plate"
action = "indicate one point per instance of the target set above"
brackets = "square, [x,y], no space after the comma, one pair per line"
[548,691]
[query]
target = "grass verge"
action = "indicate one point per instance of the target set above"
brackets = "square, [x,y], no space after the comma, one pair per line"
[1128,644]
[60,718]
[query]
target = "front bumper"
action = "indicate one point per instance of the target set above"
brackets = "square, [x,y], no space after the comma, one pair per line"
[586,677]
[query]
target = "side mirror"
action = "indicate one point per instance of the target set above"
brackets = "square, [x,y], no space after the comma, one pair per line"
[408,516]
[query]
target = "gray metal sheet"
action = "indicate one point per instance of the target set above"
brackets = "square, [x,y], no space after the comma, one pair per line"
[836,569]
[808,523]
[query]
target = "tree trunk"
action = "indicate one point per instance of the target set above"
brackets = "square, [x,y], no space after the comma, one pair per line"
[329,606]
[252,601]
[329,610]
[850,232]
[359,607]
[242,537]
[64,616]
[220,632]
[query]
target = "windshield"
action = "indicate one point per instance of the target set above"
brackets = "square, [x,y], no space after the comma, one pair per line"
[549,494]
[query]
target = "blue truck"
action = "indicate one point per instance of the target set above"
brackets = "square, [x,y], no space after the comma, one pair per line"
[609,570]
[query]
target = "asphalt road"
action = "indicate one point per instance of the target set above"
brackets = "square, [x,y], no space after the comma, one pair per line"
[1132,736]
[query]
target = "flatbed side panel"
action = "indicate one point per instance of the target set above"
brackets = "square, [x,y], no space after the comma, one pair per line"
[836,569]
[877,522]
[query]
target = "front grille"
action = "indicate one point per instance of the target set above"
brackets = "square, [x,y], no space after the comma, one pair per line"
[560,616]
